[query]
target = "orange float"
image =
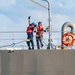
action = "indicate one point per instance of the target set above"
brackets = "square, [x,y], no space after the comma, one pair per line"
[68,39]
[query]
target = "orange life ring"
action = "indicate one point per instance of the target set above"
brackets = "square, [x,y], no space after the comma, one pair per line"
[69,41]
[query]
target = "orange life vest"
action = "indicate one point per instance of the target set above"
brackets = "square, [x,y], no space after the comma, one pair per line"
[29,29]
[39,30]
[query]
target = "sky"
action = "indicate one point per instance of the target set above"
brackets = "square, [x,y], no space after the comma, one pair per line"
[14,14]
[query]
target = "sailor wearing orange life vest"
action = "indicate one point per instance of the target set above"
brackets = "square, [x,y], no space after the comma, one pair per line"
[39,34]
[29,32]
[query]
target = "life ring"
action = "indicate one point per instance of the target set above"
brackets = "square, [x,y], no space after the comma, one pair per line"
[69,41]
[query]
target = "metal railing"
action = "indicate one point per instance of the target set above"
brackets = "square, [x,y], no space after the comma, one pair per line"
[17,40]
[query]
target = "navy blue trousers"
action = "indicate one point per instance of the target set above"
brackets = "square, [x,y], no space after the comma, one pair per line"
[30,43]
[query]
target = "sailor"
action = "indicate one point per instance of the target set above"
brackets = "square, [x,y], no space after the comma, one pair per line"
[39,35]
[29,32]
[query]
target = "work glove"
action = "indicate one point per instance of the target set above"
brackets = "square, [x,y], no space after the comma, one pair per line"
[44,30]
[29,17]
[34,30]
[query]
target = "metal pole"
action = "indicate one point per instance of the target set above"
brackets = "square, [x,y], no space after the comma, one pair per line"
[49,23]
[39,4]
[48,18]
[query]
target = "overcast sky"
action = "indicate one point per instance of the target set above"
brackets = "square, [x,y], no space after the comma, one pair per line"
[14,13]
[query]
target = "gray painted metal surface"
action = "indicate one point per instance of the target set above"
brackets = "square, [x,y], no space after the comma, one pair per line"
[37,62]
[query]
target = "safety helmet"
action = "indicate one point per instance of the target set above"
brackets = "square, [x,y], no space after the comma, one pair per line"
[33,23]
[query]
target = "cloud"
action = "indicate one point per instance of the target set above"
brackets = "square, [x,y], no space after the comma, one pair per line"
[67,5]
[19,13]
[7,24]
[6,4]
[58,20]
[61,5]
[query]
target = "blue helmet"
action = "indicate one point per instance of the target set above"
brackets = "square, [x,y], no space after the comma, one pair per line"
[34,24]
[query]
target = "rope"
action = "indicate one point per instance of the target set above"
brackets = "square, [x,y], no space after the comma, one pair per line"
[13,44]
